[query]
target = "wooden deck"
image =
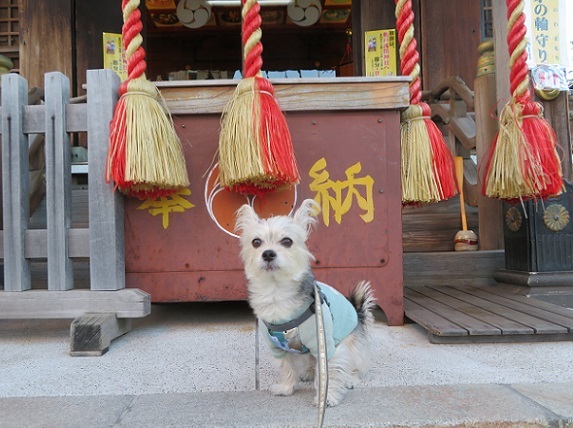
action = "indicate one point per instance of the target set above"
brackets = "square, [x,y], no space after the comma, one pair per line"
[466,314]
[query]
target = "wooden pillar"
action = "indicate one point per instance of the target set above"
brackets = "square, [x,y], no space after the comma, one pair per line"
[557,113]
[485,101]
[499,13]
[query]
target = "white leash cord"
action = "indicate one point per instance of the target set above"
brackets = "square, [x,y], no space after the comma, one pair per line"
[322,360]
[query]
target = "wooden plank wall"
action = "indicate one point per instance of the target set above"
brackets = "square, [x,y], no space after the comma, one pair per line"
[92,18]
[65,36]
[433,227]
[451,33]
[370,15]
[46,42]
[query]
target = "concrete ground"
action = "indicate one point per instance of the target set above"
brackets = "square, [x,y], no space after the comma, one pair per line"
[203,365]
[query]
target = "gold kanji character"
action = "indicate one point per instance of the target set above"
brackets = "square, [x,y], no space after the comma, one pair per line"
[175,203]
[339,195]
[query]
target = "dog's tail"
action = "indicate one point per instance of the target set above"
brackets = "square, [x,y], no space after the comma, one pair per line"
[362,298]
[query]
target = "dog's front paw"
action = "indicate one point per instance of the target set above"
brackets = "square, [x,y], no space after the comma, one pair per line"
[308,376]
[333,398]
[281,389]
[332,403]
[329,402]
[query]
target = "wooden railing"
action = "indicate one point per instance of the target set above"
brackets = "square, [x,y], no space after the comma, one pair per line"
[452,104]
[59,243]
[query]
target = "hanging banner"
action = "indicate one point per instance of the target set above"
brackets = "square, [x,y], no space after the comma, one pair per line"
[547,32]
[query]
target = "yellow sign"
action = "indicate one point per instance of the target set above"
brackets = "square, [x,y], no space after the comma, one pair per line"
[380,52]
[339,196]
[175,203]
[113,54]
[545,29]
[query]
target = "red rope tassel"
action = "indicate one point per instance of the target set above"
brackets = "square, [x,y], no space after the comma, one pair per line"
[255,148]
[427,163]
[522,162]
[145,158]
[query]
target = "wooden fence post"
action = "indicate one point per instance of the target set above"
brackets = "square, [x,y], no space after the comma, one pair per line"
[58,182]
[16,205]
[107,258]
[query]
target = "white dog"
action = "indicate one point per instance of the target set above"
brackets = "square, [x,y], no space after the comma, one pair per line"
[281,293]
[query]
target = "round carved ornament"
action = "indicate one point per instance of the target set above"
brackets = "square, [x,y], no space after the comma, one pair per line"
[556,217]
[513,219]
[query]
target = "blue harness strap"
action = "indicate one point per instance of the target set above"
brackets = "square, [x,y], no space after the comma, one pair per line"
[340,322]
[278,338]
[289,325]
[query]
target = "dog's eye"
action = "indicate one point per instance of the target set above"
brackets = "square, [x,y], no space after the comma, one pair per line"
[286,242]
[256,243]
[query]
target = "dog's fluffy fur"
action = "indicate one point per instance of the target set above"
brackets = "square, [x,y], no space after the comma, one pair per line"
[276,261]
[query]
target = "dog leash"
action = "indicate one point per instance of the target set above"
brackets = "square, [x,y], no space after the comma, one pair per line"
[322,360]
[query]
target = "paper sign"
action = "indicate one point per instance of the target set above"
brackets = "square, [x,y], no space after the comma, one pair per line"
[113,54]
[380,52]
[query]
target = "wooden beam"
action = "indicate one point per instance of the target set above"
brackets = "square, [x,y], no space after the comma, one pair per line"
[43,304]
[210,96]
[91,334]
[36,243]
[34,119]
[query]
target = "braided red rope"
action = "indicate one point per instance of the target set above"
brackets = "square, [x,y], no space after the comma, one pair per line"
[132,26]
[145,157]
[252,56]
[427,164]
[519,74]
[522,161]
[265,160]
[409,57]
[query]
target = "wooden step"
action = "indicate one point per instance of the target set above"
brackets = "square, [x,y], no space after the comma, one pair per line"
[469,314]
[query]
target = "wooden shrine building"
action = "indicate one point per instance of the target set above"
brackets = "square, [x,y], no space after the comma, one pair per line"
[344,122]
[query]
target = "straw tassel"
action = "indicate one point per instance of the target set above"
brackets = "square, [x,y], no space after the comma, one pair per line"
[255,148]
[523,162]
[427,164]
[145,157]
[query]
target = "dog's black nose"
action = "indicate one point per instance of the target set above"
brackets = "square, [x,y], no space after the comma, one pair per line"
[269,255]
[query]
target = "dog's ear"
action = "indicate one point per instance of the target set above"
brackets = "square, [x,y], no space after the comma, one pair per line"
[305,216]
[246,216]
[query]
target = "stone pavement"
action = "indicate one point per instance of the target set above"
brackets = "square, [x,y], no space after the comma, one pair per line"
[202,365]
